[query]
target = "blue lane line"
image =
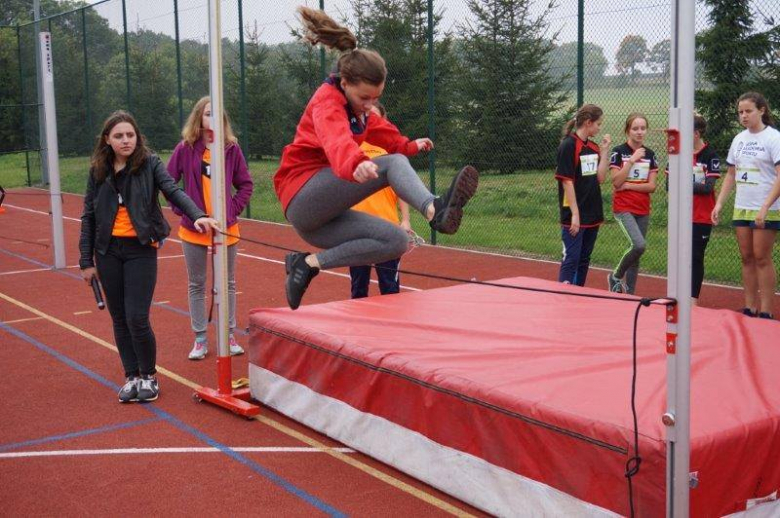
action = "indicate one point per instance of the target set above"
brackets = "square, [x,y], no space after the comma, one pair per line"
[73,435]
[161,414]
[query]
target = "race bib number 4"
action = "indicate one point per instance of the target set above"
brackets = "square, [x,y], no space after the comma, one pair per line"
[698,174]
[747,175]
[639,173]
[589,164]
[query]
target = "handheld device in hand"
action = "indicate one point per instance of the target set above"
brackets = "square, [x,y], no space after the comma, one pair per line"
[98,293]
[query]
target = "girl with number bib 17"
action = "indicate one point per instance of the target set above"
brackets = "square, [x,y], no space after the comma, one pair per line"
[634,170]
[581,168]
[754,166]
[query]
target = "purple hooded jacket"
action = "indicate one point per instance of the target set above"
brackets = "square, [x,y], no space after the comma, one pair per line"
[185,162]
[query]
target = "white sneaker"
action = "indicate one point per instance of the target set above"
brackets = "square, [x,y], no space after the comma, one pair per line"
[235,349]
[199,350]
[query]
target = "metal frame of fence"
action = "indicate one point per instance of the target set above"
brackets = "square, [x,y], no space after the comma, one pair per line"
[82,44]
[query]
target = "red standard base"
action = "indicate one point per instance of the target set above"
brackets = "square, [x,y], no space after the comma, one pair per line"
[235,401]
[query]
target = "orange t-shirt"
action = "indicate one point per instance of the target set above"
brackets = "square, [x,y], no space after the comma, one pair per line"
[384,203]
[123,226]
[204,239]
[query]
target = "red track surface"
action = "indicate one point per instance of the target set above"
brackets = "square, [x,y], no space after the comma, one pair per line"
[47,396]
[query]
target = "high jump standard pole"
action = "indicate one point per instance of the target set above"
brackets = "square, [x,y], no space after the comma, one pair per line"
[224,395]
[678,343]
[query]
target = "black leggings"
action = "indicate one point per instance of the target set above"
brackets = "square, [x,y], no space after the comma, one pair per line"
[701,236]
[128,272]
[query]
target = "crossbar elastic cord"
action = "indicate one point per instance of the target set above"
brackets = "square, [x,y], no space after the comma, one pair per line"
[213,274]
[658,301]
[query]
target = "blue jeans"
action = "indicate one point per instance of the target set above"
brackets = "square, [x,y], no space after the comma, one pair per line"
[386,273]
[576,254]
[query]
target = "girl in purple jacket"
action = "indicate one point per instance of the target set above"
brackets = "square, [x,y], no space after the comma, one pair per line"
[191,162]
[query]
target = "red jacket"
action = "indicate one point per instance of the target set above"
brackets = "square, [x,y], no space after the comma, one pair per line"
[324,138]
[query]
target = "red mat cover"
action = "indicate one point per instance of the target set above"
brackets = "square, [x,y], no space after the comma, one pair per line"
[539,384]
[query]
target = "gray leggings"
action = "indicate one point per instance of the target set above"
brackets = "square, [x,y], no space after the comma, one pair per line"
[635,229]
[321,215]
[196,257]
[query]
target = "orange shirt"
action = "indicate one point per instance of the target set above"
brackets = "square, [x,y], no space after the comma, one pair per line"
[204,239]
[123,227]
[384,203]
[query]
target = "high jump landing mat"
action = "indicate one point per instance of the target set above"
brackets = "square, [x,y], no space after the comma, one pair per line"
[518,402]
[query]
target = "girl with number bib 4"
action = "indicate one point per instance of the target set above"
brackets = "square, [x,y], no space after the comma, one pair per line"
[754,166]
[581,168]
[634,170]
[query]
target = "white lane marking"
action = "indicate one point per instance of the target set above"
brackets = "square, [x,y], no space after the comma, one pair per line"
[134,451]
[16,272]
[19,320]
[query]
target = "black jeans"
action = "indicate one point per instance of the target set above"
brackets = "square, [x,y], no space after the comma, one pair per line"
[701,237]
[386,273]
[128,272]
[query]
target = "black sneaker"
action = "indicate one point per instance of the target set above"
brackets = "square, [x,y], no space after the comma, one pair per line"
[129,391]
[299,275]
[766,315]
[749,312]
[449,207]
[616,285]
[148,389]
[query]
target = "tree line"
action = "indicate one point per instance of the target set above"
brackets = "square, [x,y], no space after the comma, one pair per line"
[502,85]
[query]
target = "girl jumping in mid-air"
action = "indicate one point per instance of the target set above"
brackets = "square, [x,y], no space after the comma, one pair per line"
[323,173]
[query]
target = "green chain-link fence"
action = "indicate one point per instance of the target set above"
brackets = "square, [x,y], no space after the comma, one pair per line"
[491,80]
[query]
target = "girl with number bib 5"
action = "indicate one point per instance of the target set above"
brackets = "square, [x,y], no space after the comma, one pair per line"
[634,170]
[754,166]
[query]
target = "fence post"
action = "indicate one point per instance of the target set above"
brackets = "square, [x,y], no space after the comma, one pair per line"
[322,50]
[242,64]
[431,107]
[580,52]
[22,103]
[178,62]
[127,57]
[86,74]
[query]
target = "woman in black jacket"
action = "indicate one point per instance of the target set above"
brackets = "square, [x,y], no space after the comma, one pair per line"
[122,227]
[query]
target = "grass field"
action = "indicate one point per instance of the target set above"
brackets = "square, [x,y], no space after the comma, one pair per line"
[512,214]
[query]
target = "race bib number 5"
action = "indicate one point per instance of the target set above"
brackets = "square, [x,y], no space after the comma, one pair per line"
[747,175]
[639,173]
[589,164]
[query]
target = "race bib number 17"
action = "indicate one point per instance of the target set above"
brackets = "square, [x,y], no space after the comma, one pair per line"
[589,164]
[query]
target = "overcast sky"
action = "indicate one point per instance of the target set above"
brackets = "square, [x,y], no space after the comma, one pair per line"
[607,22]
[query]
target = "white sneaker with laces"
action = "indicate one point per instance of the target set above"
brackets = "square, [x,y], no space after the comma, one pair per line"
[199,350]
[235,349]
